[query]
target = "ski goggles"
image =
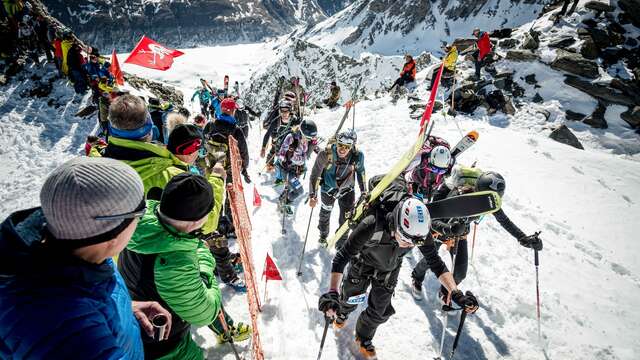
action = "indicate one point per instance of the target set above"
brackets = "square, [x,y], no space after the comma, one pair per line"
[284,110]
[436,170]
[344,146]
[189,148]
[138,212]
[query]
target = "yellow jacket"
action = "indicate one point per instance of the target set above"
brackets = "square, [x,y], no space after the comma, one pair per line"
[451,59]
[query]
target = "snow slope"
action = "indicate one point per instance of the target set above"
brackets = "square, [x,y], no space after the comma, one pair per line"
[586,203]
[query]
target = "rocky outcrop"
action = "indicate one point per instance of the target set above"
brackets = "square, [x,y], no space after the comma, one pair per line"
[521,55]
[602,92]
[632,9]
[596,119]
[632,116]
[575,64]
[565,136]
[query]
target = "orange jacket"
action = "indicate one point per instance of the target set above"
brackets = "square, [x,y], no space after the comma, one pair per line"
[410,68]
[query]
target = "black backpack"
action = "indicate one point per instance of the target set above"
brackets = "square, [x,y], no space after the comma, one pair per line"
[391,196]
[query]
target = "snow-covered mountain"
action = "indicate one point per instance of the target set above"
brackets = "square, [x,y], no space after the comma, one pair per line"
[392,27]
[119,24]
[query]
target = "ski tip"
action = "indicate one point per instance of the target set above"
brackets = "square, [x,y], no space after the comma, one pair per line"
[474,135]
[299,273]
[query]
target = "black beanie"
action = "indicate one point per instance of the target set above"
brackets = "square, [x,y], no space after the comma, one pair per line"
[187,197]
[181,135]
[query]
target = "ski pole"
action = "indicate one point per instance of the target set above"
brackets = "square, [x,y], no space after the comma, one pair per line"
[458,332]
[306,236]
[473,241]
[324,335]
[225,328]
[537,263]
[284,202]
[448,302]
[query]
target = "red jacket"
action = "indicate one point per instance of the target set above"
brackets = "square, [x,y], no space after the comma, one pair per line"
[409,68]
[484,45]
[57,45]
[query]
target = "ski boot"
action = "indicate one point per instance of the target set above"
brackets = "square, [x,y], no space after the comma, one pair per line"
[323,241]
[236,261]
[367,349]
[239,332]
[339,322]
[416,289]
[237,284]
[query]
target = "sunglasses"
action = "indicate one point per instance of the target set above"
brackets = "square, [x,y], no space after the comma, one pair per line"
[285,111]
[436,170]
[139,212]
[189,147]
[344,146]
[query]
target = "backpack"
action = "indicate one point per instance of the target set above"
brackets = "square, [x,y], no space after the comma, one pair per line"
[390,197]
[463,178]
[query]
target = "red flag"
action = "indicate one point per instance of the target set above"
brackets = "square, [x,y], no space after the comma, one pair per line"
[257,200]
[149,53]
[114,69]
[270,269]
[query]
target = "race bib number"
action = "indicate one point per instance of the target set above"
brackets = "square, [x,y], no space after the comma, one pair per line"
[356,299]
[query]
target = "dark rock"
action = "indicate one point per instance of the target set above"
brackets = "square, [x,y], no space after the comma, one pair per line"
[615,38]
[463,44]
[632,116]
[497,101]
[624,18]
[575,64]
[537,98]
[631,42]
[565,136]
[600,37]
[628,88]
[617,28]
[159,90]
[599,6]
[521,55]
[544,113]
[589,50]
[529,42]
[574,116]
[562,43]
[501,33]
[596,119]
[632,8]
[517,90]
[508,43]
[589,23]
[531,79]
[605,93]
[611,56]
[437,106]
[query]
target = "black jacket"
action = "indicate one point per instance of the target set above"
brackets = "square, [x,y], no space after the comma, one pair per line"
[220,130]
[371,243]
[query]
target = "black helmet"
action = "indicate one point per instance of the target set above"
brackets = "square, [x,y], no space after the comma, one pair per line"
[491,180]
[309,129]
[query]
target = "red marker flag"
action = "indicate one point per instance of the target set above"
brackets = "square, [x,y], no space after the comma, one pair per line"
[150,54]
[270,269]
[257,200]
[115,70]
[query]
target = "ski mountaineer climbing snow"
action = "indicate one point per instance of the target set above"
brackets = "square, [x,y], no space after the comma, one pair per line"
[375,250]
[296,148]
[216,110]
[453,232]
[165,261]
[277,131]
[427,170]
[204,96]
[335,170]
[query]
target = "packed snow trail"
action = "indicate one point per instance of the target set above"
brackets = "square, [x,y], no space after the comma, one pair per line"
[585,203]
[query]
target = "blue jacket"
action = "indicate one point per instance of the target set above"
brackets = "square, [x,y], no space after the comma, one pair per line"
[203,95]
[226,118]
[56,306]
[215,103]
[97,70]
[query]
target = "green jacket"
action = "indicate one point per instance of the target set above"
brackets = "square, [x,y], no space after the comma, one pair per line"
[156,166]
[173,268]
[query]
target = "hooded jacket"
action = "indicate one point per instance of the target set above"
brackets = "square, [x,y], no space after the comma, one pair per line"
[54,305]
[176,269]
[156,166]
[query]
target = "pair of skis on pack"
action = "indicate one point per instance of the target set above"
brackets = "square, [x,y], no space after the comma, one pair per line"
[467,205]
[225,85]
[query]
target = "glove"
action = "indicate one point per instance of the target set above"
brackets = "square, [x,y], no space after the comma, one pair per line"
[531,241]
[246,177]
[313,200]
[329,301]
[467,301]
[262,152]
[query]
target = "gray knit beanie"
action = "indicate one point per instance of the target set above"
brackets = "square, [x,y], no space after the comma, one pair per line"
[84,188]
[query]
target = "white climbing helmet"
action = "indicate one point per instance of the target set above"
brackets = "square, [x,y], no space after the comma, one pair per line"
[412,220]
[440,157]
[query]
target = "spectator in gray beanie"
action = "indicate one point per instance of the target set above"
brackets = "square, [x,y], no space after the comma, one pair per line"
[61,296]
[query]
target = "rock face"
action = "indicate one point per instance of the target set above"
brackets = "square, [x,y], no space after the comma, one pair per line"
[632,116]
[632,8]
[119,24]
[574,116]
[596,120]
[565,136]
[575,64]
[601,92]
[521,55]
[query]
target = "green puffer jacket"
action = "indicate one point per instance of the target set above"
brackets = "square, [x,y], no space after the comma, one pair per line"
[176,269]
[156,166]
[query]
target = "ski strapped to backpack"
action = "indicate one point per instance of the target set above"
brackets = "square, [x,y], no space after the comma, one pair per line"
[465,143]
[348,105]
[226,85]
[398,168]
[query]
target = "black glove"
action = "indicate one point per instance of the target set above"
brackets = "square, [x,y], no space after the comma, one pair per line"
[531,241]
[449,229]
[329,301]
[467,301]
[246,177]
